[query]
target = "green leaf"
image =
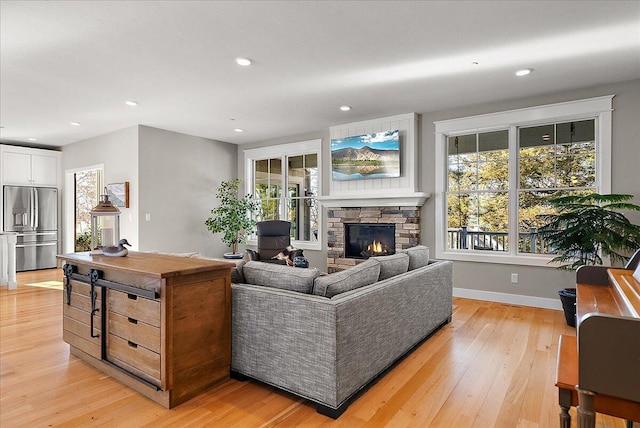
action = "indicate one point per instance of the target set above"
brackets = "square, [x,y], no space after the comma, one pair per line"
[585,227]
[234,216]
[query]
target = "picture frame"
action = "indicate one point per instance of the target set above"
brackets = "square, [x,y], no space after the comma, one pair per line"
[119,194]
[367,156]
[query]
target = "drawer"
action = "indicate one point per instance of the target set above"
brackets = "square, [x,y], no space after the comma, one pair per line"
[136,331]
[134,306]
[134,358]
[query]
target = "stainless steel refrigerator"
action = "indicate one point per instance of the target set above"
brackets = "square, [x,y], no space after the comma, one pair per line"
[32,212]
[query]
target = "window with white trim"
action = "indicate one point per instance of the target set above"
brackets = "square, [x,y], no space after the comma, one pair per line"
[497,171]
[285,181]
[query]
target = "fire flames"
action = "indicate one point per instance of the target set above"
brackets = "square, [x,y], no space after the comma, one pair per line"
[375,248]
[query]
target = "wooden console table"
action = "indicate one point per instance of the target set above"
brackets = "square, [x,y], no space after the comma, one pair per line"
[159,324]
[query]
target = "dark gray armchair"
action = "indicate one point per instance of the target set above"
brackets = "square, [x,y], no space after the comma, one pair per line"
[274,236]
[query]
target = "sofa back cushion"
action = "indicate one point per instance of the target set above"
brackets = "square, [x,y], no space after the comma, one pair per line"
[392,265]
[418,256]
[280,276]
[237,275]
[338,282]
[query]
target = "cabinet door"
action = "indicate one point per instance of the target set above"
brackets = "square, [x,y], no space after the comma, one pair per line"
[44,170]
[16,168]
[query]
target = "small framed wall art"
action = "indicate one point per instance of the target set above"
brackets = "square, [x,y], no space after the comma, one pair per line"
[119,194]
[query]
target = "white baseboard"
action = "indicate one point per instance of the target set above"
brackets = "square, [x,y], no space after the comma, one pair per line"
[513,299]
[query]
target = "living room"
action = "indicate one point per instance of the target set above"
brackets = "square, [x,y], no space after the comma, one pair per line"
[173,165]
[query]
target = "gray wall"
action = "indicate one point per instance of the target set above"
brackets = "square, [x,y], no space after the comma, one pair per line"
[171,176]
[179,175]
[533,281]
[118,152]
[538,281]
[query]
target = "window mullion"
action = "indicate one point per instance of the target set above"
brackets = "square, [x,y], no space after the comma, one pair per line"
[284,191]
[514,185]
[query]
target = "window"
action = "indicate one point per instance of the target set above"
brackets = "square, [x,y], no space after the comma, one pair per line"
[500,169]
[285,181]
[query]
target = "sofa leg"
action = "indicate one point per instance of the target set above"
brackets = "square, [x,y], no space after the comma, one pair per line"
[331,412]
[238,376]
[449,319]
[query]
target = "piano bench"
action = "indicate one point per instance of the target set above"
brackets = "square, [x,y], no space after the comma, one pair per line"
[567,379]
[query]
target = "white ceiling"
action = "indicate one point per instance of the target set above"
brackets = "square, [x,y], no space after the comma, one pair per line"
[79,61]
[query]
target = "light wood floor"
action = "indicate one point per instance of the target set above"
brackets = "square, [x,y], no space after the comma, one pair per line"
[493,366]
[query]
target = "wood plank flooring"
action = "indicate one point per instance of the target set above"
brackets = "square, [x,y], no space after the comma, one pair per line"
[493,366]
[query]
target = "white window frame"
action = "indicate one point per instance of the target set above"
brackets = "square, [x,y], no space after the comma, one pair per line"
[599,109]
[282,150]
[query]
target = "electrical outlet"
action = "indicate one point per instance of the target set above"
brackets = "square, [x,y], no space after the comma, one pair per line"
[514,278]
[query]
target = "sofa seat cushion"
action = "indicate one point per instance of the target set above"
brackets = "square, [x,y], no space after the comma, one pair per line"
[338,282]
[392,265]
[418,256]
[280,276]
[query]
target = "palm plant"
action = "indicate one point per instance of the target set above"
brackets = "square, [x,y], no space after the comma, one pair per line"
[234,216]
[584,228]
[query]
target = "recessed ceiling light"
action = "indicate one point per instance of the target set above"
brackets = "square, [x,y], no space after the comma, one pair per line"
[243,61]
[131,103]
[239,130]
[345,108]
[524,72]
[31,139]
[74,123]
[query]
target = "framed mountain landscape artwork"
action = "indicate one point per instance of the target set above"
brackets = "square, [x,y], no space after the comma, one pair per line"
[365,156]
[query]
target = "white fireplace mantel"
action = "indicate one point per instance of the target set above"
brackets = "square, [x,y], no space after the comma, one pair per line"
[380,199]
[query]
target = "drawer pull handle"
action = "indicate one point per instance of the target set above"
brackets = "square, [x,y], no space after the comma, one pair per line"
[132,296]
[132,320]
[133,345]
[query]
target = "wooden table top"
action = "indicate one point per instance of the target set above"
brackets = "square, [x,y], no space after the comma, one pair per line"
[149,264]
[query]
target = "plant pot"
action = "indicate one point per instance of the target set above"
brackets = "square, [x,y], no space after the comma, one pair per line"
[233,255]
[568,299]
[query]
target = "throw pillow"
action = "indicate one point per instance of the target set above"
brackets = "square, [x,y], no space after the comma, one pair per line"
[237,276]
[418,256]
[338,282]
[280,276]
[392,265]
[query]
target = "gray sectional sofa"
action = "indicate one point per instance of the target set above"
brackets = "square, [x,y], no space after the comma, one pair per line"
[326,337]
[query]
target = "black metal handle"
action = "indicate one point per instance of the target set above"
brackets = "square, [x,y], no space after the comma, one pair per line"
[133,345]
[94,276]
[69,270]
[132,296]
[132,320]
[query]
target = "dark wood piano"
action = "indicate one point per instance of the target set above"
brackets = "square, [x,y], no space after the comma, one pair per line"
[599,370]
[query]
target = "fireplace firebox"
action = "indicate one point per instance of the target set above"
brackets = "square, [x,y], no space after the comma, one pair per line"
[364,240]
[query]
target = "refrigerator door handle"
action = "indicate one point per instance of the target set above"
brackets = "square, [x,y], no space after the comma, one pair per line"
[45,244]
[35,205]
[31,209]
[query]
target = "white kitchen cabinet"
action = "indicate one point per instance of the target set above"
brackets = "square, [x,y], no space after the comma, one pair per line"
[24,166]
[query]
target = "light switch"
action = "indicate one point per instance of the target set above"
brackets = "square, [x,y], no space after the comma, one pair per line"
[147,217]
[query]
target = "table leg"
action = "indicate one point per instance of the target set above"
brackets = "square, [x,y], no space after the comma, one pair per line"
[586,415]
[564,399]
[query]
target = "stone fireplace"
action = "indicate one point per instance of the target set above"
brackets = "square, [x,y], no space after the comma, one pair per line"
[404,221]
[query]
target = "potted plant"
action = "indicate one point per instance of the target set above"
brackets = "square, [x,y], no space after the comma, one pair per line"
[233,217]
[583,229]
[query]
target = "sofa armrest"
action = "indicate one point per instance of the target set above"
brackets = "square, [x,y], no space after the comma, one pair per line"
[286,339]
[253,255]
[378,324]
